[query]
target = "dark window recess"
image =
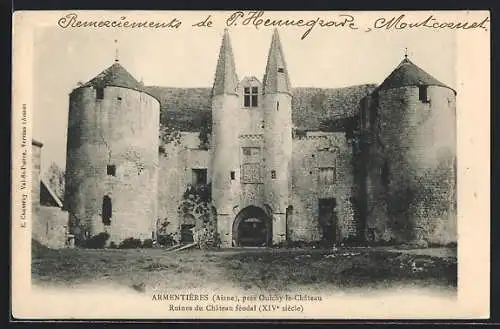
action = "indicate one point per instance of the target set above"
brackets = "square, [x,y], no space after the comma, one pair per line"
[233,175]
[250,97]
[111,170]
[422,94]
[119,98]
[273,174]
[281,70]
[277,106]
[246,101]
[199,176]
[99,93]
[255,100]
[384,174]
[107,210]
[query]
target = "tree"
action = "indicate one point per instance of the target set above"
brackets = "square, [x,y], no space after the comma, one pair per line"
[55,179]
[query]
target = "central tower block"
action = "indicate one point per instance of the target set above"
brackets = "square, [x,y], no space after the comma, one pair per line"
[224,175]
[277,108]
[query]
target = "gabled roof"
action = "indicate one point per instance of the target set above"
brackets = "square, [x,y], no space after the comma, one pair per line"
[47,196]
[276,78]
[226,80]
[115,75]
[36,143]
[409,74]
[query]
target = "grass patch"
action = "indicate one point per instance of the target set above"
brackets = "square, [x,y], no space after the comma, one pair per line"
[266,269]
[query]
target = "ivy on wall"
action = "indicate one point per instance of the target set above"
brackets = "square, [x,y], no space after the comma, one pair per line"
[197,204]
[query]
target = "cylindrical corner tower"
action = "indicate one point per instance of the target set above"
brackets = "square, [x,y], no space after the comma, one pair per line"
[277,114]
[417,133]
[112,158]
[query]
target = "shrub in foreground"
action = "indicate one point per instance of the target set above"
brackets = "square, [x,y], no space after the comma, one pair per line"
[97,241]
[130,243]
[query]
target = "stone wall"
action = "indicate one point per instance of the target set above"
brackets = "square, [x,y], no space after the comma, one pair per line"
[120,130]
[411,169]
[50,227]
[175,174]
[310,153]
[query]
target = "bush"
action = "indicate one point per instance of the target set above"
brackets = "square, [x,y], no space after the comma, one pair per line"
[148,243]
[208,238]
[112,245]
[166,240]
[97,241]
[130,243]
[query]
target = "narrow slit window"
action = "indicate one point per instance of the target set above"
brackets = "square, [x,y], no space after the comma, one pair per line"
[99,93]
[107,210]
[111,170]
[273,174]
[233,175]
[281,70]
[277,106]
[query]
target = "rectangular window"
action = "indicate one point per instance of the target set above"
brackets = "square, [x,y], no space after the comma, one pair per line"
[327,176]
[255,100]
[99,93]
[246,101]
[111,170]
[273,174]
[422,94]
[250,97]
[247,151]
[281,70]
[233,175]
[199,176]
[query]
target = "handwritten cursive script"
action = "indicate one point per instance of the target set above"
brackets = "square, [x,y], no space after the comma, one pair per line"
[401,22]
[71,20]
[259,19]
[254,18]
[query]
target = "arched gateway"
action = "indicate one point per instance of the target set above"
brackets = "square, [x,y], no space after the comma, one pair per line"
[252,227]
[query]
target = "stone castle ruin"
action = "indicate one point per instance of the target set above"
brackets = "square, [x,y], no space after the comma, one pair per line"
[269,163]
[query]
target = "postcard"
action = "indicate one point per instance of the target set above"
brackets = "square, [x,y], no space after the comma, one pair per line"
[250,165]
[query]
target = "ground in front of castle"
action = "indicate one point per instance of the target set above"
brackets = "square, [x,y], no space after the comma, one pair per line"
[259,269]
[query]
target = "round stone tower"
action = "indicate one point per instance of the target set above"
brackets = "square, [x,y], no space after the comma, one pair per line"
[112,158]
[416,157]
[225,173]
[277,114]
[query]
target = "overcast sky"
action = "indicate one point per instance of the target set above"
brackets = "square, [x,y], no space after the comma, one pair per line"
[187,58]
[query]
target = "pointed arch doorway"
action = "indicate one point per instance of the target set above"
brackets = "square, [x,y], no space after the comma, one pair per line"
[252,227]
